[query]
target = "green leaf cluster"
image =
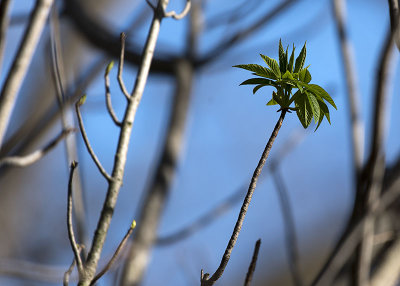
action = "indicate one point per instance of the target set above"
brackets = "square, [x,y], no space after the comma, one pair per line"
[292,83]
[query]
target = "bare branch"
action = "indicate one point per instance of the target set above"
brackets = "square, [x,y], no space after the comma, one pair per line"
[71,234]
[4,21]
[67,274]
[122,150]
[252,266]
[357,126]
[87,143]
[24,161]
[116,253]
[121,67]
[180,15]
[32,271]
[205,281]
[290,227]
[375,168]
[21,63]
[394,19]
[108,95]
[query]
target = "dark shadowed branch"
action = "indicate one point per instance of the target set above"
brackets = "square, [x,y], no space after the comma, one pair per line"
[252,266]
[290,227]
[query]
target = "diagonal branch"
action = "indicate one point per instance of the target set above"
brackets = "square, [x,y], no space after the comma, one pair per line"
[205,279]
[252,266]
[116,253]
[21,63]
[4,21]
[24,161]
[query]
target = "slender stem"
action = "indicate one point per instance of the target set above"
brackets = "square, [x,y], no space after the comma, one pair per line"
[121,67]
[23,161]
[110,109]
[21,63]
[252,266]
[87,143]
[184,12]
[71,234]
[115,255]
[68,273]
[205,281]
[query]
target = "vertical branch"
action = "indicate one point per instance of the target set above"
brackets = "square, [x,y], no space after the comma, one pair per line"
[66,118]
[346,47]
[153,205]
[71,234]
[206,280]
[374,170]
[252,266]
[290,227]
[394,18]
[4,21]
[21,63]
[155,196]
[122,148]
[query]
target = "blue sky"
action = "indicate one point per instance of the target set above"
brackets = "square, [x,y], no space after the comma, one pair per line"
[226,132]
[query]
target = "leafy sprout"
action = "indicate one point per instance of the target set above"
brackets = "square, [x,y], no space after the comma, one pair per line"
[287,76]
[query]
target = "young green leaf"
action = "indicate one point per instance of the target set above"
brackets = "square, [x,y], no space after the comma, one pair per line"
[258,80]
[282,58]
[319,91]
[314,106]
[291,61]
[258,70]
[303,110]
[300,59]
[273,64]
[81,100]
[257,87]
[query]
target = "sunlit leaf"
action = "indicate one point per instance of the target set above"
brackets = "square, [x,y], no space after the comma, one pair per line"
[291,60]
[319,91]
[314,106]
[258,70]
[272,102]
[282,58]
[300,60]
[273,64]
[258,80]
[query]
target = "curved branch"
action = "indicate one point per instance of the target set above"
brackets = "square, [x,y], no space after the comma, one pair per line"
[179,16]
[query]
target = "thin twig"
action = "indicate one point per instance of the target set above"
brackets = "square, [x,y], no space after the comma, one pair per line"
[252,266]
[108,96]
[87,143]
[290,227]
[4,22]
[122,151]
[205,279]
[116,253]
[21,63]
[67,273]
[121,67]
[24,161]
[58,76]
[71,234]
[180,15]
